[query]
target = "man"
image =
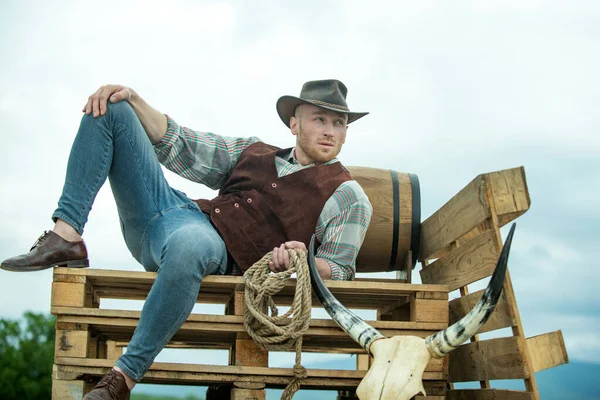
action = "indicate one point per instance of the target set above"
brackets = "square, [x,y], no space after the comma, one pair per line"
[269,200]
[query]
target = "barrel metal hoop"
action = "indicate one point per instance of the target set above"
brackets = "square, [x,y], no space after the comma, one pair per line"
[416,218]
[396,226]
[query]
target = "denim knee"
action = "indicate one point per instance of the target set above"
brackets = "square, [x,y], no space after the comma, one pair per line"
[119,113]
[189,252]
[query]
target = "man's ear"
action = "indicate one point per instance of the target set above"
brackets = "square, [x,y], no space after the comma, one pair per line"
[294,125]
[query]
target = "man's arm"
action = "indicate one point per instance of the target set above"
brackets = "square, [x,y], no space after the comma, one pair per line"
[341,230]
[153,121]
[198,156]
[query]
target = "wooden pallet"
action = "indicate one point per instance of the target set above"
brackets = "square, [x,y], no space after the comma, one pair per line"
[89,339]
[460,244]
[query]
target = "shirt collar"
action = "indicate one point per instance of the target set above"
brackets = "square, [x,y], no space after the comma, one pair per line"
[291,158]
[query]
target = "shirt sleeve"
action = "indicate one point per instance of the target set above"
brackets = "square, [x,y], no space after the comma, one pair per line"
[342,227]
[202,157]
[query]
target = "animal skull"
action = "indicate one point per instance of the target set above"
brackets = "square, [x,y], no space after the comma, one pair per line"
[399,362]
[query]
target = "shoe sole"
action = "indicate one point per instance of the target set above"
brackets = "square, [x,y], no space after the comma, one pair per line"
[70,264]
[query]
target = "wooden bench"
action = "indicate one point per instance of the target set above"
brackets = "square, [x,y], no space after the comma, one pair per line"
[459,245]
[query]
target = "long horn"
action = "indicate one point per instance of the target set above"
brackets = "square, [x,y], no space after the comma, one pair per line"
[352,324]
[447,340]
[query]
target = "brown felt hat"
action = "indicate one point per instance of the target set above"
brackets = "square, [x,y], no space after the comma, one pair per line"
[329,94]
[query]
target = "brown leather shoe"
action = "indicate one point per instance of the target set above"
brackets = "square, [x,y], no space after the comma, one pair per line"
[48,251]
[112,386]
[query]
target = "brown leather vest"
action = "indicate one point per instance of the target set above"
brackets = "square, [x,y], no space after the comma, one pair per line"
[256,211]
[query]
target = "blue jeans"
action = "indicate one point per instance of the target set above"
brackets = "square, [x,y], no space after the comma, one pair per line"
[164,230]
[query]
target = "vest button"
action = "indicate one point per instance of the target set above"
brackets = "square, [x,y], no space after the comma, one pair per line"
[236,205]
[274,185]
[217,210]
[249,201]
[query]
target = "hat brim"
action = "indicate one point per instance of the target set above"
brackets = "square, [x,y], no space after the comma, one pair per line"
[286,107]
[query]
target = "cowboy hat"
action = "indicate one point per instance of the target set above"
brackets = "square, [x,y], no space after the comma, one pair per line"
[329,94]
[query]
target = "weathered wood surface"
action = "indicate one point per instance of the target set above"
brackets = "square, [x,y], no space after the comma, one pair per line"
[459,215]
[200,374]
[360,293]
[472,261]
[217,331]
[471,207]
[547,350]
[511,195]
[487,394]
[500,318]
[487,360]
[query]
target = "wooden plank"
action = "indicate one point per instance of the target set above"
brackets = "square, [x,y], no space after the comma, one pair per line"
[500,318]
[248,353]
[517,329]
[84,316]
[458,216]
[487,394]
[69,389]
[68,294]
[424,310]
[247,394]
[510,192]
[71,343]
[487,360]
[113,350]
[199,374]
[472,261]
[363,362]
[547,350]
[373,293]
[218,331]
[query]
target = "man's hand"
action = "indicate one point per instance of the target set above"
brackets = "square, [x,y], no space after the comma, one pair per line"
[96,103]
[281,259]
[153,121]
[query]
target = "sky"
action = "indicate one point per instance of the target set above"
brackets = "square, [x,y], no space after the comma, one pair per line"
[454,89]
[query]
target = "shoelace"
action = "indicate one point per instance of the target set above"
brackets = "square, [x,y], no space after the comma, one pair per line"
[40,240]
[109,380]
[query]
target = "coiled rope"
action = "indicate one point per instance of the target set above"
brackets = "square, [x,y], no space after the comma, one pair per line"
[274,332]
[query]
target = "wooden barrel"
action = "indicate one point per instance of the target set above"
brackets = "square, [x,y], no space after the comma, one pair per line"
[395,225]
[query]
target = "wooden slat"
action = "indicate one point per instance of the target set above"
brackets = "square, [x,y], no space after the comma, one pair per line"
[511,196]
[200,374]
[68,294]
[71,343]
[547,350]
[487,360]
[517,329]
[360,293]
[487,394]
[500,318]
[458,216]
[215,331]
[69,389]
[425,310]
[470,207]
[246,394]
[472,261]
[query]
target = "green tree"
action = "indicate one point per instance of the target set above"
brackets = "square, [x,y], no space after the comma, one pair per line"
[26,357]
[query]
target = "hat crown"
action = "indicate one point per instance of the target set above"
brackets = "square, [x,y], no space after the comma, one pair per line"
[329,94]
[330,91]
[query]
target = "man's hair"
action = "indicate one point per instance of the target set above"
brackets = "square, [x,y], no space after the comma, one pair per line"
[297,111]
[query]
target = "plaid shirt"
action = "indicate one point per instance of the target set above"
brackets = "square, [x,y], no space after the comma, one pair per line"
[209,159]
